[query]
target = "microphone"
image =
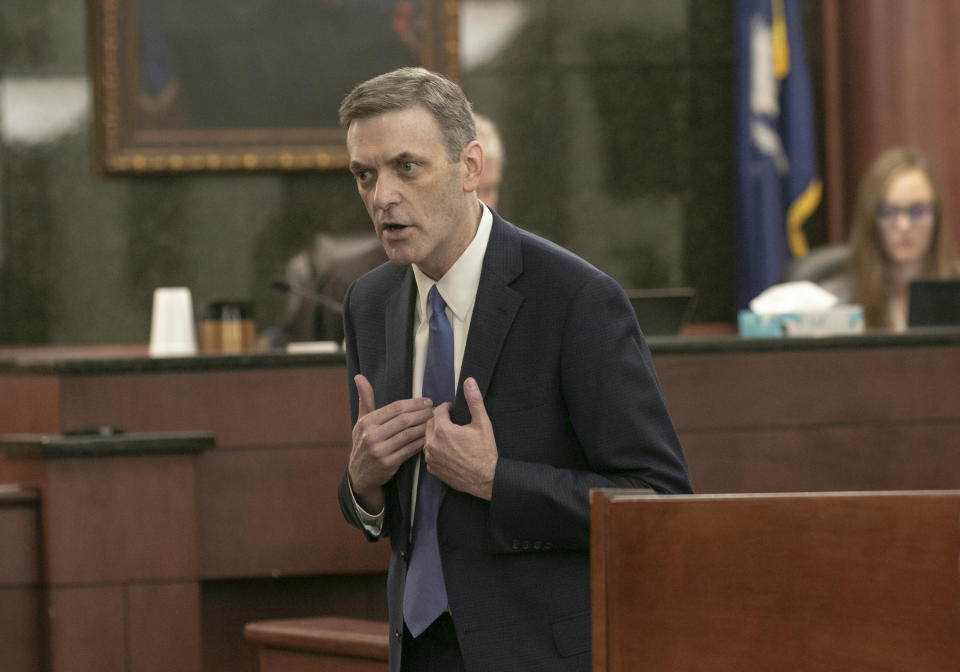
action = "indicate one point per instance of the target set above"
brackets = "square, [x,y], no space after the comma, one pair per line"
[308,294]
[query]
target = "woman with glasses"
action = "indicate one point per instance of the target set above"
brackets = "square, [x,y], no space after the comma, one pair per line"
[898,235]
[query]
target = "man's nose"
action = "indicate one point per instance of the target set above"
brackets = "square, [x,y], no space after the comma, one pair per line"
[385,193]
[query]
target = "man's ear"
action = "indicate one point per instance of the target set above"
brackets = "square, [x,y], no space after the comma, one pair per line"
[472,161]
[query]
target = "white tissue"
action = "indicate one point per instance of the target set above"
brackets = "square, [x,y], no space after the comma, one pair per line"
[793,297]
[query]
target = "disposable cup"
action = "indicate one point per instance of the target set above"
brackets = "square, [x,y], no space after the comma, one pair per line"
[172,331]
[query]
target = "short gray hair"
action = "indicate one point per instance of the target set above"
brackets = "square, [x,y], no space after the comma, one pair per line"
[409,87]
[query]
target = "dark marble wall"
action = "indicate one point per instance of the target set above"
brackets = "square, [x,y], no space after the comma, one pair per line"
[617,118]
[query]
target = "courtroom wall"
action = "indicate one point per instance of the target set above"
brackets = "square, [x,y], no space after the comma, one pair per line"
[617,117]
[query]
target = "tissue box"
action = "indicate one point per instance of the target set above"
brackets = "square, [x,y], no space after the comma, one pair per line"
[836,321]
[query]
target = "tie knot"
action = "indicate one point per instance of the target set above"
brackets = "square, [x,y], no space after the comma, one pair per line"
[437,304]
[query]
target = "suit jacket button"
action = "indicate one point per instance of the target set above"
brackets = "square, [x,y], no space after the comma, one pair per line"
[396,635]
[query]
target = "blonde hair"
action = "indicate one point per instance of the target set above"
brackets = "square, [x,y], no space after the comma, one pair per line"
[489,137]
[868,259]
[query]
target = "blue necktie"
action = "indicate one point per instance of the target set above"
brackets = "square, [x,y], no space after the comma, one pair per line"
[425,596]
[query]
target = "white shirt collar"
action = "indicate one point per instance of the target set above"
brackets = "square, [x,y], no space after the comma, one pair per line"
[459,284]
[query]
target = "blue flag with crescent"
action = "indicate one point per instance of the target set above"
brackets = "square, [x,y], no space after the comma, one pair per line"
[779,184]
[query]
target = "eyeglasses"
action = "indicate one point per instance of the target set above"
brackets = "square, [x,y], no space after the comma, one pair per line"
[917,213]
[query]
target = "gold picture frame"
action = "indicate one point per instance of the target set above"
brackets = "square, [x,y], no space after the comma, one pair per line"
[247,85]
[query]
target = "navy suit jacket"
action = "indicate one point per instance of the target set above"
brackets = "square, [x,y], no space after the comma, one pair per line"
[570,388]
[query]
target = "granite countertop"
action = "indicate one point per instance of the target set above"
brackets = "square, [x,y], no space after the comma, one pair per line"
[42,446]
[13,494]
[106,360]
[925,337]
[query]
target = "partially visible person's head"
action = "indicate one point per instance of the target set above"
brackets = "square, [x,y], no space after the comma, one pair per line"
[493,160]
[416,168]
[409,87]
[899,212]
[897,221]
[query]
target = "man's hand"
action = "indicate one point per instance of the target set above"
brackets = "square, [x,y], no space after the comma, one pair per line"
[383,439]
[463,457]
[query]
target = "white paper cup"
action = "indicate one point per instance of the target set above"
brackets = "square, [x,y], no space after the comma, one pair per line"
[172,333]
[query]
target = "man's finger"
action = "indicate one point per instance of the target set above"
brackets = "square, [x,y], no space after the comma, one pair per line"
[364,394]
[442,412]
[471,392]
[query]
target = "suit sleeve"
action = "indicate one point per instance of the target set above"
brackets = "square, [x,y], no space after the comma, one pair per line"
[346,500]
[617,431]
[363,315]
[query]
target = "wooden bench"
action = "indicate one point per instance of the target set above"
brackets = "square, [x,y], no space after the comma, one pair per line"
[320,644]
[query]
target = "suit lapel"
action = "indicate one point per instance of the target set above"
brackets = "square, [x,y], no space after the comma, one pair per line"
[493,312]
[399,351]
[399,367]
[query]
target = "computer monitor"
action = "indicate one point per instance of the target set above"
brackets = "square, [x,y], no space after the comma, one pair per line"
[934,303]
[662,311]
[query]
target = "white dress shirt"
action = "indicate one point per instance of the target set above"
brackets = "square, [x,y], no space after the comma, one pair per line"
[458,288]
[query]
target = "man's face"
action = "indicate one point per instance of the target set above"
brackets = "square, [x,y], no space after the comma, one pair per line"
[417,199]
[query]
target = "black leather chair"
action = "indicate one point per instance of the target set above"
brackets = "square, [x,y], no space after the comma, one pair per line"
[819,264]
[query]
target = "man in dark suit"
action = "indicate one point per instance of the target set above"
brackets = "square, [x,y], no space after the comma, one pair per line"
[552,392]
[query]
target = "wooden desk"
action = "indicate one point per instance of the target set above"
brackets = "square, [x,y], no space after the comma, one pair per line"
[875,412]
[829,582]
[118,534]
[270,539]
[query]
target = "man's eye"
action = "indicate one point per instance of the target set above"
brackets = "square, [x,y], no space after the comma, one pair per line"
[361,175]
[407,166]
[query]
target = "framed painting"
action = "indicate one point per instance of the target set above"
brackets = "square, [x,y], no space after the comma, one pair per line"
[247,85]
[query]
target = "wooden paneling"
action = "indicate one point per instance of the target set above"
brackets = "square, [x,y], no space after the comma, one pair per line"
[272,511]
[242,407]
[163,627]
[229,605]
[870,419]
[29,404]
[321,645]
[20,633]
[832,583]
[20,606]
[794,389]
[19,536]
[86,629]
[890,78]
[120,519]
[261,506]
[283,660]
[819,459]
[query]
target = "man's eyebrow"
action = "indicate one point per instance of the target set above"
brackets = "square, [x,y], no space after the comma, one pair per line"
[356,166]
[404,157]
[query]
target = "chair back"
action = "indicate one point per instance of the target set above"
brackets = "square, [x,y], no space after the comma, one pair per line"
[819,264]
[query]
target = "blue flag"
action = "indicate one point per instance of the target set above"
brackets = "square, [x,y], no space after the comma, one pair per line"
[779,185]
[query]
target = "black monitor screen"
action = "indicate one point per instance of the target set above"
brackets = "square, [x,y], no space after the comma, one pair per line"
[662,312]
[934,303]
